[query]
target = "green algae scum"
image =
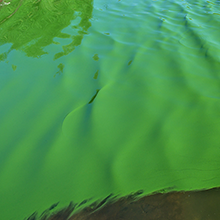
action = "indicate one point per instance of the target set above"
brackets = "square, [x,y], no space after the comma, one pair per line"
[106,97]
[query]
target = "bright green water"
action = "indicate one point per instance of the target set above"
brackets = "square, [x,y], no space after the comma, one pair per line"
[154,123]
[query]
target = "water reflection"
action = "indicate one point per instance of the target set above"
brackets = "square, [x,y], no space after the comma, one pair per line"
[32,25]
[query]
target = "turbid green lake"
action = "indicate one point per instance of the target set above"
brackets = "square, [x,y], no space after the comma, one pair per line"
[106,96]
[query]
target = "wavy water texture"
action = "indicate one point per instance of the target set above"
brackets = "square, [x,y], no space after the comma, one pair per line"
[106,97]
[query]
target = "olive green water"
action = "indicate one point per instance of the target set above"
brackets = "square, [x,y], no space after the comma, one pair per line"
[100,97]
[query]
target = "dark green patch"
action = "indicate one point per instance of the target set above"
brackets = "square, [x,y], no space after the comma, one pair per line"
[96,57]
[129,62]
[96,74]
[61,67]
[14,67]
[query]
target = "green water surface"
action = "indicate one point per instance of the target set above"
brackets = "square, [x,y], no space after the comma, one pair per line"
[106,96]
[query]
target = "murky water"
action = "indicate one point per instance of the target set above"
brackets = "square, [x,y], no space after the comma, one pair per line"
[106,97]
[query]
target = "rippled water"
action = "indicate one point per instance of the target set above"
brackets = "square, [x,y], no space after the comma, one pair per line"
[106,97]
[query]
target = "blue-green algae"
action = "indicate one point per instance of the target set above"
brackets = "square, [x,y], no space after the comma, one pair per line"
[106,97]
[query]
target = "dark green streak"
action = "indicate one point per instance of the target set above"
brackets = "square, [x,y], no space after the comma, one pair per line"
[92,99]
